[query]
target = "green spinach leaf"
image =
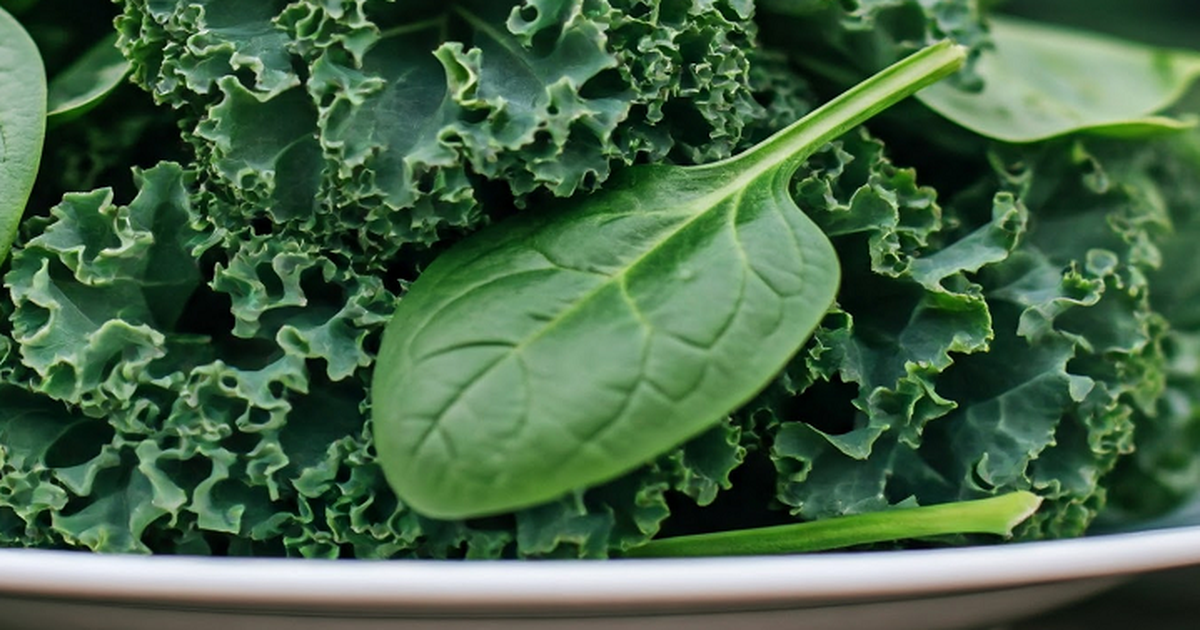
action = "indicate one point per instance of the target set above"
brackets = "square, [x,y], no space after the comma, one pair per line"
[564,348]
[86,82]
[1045,81]
[22,123]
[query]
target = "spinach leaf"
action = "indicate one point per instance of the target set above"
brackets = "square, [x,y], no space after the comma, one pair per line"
[1045,81]
[1164,22]
[22,123]
[566,347]
[86,82]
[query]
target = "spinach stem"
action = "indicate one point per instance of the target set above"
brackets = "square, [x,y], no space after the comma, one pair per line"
[995,515]
[789,147]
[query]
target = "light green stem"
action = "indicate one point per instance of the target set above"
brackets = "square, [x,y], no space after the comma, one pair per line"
[995,515]
[789,147]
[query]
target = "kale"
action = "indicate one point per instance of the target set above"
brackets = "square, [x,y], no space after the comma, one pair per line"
[187,355]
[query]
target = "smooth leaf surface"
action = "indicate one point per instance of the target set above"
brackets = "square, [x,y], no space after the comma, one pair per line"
[995,515]
[86,82]
[566,347]
[22,123]
[1045,81]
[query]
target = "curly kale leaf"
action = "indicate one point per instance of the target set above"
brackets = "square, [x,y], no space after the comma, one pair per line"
[129,274]
[163,394]
[844,40]
[975,350]
[206,346]
[1004,343]
[365,127]
[1163,472]
[185,370]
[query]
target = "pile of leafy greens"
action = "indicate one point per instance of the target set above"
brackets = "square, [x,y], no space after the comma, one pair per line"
[187,354]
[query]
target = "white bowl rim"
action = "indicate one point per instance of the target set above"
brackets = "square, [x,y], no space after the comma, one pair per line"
[427,587]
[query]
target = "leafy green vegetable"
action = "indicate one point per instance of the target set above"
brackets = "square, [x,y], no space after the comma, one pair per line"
[22,124]
[1022,367]
[474,419]
[997,516]
[399,127]
[1164,472]
[1162,22]
[253,401]
[846,40]
[185,354]
[125,129]
[1041,81]
[83,85]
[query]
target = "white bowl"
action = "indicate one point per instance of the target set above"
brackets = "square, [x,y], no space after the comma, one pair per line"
[899,590]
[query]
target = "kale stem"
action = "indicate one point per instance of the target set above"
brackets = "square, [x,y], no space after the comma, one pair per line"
[789,147]
[995,515]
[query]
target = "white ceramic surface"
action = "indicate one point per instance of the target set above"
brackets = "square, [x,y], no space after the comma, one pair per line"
[950,588]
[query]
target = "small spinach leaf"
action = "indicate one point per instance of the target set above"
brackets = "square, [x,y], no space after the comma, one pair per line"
[566,347]
[22,124]
[86,82]
[1045,81]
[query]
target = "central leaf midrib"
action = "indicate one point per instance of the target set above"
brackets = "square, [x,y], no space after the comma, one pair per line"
[722,195]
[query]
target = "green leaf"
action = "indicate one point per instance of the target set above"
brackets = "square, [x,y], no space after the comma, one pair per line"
[85,83]
[842,41]
[95,289]
[129,492]
[395,128]
[562,349]
[1001,355]
[996,515]
[31,427]
[22,124]
[1045,81]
